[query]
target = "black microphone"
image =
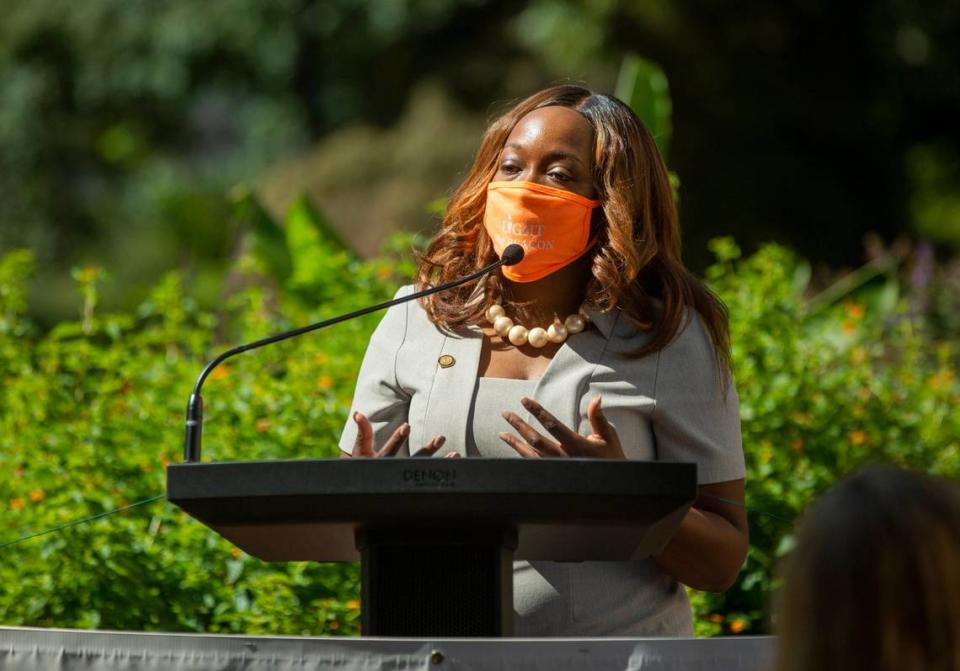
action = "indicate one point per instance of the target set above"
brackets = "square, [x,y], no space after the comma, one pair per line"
[512,255]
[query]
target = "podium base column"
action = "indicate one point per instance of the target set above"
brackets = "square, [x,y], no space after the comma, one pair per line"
[437,582]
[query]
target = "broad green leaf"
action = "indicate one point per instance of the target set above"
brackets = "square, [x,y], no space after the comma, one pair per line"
[313,245]
[643,86]
[268,242]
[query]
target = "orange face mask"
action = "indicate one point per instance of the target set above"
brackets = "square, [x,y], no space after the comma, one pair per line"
[552,225]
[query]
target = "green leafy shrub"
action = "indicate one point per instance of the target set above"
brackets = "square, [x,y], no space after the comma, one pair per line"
[821,393]
[92,412]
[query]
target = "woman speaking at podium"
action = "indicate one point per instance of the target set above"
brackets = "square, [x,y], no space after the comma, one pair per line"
[599,343]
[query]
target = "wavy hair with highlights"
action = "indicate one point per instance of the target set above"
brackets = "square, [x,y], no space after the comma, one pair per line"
[636,264]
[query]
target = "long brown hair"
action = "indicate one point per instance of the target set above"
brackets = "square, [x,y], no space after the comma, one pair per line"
[637,256]
[874,581]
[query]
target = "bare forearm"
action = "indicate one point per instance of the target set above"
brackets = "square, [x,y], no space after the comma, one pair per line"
[706,552]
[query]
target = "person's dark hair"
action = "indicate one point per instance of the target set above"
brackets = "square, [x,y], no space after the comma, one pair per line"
[637,256]
[874,580]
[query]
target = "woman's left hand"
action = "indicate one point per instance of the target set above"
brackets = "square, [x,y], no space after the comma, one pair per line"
[602,443]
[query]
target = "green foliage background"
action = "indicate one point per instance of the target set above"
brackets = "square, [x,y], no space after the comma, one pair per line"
[121,149]
[122,122]
[92,412]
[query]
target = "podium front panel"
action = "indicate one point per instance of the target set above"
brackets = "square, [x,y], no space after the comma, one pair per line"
[561,509]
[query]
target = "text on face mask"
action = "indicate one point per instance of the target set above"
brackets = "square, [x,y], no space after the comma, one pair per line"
[513,229]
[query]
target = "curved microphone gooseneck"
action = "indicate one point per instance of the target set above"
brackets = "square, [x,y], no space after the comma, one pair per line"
[512,255]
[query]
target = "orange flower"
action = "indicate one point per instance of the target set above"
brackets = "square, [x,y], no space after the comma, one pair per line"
[858,437]
[263,424]
[325,382]
[321,358]
[221,372]
[716,618]
[333,625]
[938,381]
[384,273]
[16,504]
[737,626]
[235,552]
[352,604]
[848,328]
[37,495]
[796,445]
[855,311]
[87,274]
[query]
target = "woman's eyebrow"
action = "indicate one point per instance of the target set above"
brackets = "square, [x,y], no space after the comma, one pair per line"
[551,155]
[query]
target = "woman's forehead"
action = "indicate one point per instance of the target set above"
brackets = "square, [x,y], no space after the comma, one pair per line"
[553,127]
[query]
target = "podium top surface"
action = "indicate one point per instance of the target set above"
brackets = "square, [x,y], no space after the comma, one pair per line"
[311,509]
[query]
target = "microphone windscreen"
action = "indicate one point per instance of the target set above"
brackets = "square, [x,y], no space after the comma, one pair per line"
[512,255]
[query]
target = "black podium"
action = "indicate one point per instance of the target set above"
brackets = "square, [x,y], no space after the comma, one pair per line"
[436,537]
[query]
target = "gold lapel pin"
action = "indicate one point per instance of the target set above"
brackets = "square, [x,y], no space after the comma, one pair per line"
[446,361]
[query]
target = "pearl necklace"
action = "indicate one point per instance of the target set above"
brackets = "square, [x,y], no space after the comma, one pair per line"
[518,334]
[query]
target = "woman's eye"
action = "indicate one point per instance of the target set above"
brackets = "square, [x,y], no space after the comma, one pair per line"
[509,168]
[560,176]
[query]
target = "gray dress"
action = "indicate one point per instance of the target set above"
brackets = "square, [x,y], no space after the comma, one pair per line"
[672,405]
[591,598]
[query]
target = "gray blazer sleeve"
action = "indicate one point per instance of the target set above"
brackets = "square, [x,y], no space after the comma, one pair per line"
[696,417]
[378,394]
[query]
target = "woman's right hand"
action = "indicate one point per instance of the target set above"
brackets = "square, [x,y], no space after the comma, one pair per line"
[363,445]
